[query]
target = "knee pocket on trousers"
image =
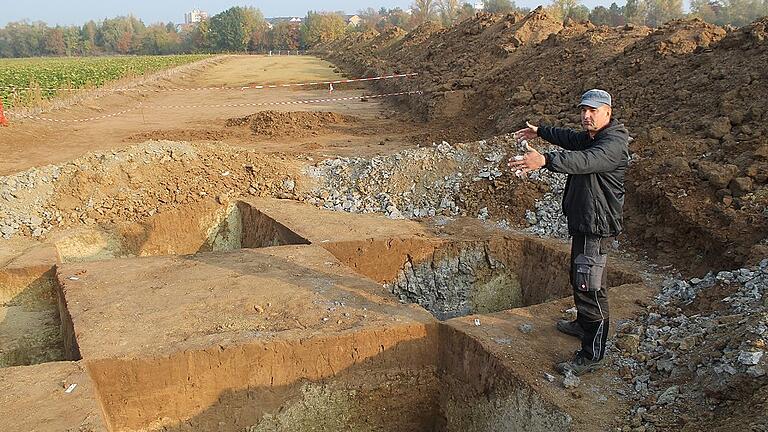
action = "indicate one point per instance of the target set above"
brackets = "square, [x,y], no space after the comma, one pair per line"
[589,272]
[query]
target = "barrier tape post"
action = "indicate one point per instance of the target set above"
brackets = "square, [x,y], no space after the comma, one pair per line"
[3,120]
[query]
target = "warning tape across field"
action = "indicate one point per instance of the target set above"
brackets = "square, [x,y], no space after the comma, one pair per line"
[249,87]
[235,105]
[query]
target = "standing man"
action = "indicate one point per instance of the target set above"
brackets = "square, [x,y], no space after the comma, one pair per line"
[594,196]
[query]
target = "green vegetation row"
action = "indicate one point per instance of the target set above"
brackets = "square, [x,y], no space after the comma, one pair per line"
[24,81]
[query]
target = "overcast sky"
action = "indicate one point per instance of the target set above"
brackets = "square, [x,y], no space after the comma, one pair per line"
[79,11]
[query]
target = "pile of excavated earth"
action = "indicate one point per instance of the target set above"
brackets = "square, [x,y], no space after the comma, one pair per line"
[690,93]
[200,286]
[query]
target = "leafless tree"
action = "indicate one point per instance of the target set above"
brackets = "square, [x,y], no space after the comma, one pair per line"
[423,10]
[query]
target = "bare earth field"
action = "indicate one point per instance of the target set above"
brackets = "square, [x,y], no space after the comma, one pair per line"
[28,143]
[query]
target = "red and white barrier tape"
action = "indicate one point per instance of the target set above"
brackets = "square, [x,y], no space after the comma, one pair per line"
[298,102]
[256,87]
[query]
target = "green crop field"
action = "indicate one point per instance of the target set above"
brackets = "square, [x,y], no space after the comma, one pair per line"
[23,81]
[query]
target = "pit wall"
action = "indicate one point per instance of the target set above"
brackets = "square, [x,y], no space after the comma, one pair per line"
[479,394]
[455,278]
[349,379]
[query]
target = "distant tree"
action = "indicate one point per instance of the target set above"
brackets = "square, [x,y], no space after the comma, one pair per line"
[568,9]
[466,11]
[636,11]
[88,36]
[73,44]
[159,39]
[396,17]
[259,32]
[285,36]
[742,12]
[449,11]
[661,11]
[707,10]
[600,15]
[370,18]
[24,39]
[232,30]
[116,35]
[617,15]
[499,6]
[423,11]
[53,43]
[319,27]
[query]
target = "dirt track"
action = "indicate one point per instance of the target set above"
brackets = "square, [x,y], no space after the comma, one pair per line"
[30,143]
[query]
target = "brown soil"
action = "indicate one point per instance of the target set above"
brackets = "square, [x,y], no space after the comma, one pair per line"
[294,124]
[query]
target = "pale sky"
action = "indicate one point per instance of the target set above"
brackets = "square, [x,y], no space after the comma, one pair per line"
[80,11]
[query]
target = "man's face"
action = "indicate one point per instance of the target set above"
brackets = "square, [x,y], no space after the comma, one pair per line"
[594,119]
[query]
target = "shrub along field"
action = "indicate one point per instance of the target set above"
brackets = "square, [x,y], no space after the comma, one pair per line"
[24,81]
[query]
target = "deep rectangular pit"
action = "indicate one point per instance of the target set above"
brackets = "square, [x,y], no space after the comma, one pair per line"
[30,324]
[453,278]
[205,227]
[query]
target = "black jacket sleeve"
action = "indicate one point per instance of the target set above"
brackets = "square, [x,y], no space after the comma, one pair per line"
[566,138]
[604,156]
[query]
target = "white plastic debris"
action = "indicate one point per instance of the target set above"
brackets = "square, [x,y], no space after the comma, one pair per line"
[477,322]
[71,388]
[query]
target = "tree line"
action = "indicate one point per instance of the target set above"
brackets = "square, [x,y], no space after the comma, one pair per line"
[244,29]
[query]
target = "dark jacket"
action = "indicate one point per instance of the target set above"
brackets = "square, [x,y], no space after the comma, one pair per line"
[594,191]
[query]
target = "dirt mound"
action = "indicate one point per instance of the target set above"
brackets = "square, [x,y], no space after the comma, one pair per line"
[293,123]
[138,182]
[677,38]
[692,95]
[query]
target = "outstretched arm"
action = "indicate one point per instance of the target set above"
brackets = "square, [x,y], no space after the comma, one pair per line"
[600,158]
[566,138]
[561,137]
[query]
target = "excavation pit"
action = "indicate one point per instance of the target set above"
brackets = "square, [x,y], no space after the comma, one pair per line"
[30,324]
[336,333]
[279,338]
[452,278]
[204,227]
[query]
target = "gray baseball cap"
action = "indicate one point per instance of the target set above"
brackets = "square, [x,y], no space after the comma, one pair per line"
[595,98]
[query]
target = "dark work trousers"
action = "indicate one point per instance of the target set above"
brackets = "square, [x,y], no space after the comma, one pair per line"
[590,291]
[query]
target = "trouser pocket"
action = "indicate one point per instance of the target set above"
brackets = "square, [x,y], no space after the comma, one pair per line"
[589,272]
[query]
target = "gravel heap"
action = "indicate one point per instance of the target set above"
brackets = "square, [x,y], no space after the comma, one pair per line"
[132,184]
[548,220]
[22,196]
[430,181]
[699,347]
[413,183]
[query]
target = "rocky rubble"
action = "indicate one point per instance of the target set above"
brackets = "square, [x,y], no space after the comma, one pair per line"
[442,180]
[700,346]
[23,195]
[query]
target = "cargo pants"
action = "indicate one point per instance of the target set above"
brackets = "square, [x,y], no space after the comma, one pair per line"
[590,291]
